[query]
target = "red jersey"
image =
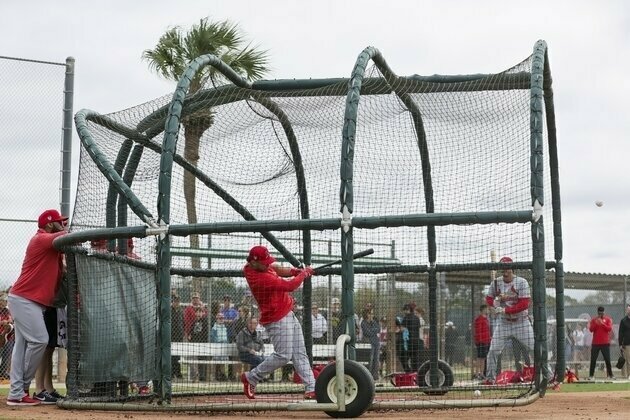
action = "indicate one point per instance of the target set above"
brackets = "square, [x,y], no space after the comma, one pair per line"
[482,330]
[272,292]
[601,328]
[41,270]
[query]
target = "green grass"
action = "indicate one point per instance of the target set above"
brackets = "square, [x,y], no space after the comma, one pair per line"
[574,387]
[594,387]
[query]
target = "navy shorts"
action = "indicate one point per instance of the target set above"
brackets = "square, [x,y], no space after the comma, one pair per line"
[50,319]
[482,350]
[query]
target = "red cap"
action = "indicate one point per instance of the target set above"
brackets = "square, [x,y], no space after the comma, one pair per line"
[505,260]
[50,216]
[261,254]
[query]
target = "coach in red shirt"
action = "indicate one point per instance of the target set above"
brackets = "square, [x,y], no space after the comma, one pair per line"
[271,292]
[31,293]
[600,326]
[482,338]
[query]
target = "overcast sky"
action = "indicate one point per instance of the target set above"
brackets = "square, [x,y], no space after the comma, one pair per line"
[589,51]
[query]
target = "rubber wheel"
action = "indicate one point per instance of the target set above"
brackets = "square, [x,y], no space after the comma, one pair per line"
[359,387]
[445,378]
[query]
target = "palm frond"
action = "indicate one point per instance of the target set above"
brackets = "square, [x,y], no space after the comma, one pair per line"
[167,58]
[224,39]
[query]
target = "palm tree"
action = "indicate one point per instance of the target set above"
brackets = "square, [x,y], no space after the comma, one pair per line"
[170,57]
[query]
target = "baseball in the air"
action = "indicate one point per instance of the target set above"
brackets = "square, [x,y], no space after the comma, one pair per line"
[599,203]
[477,393]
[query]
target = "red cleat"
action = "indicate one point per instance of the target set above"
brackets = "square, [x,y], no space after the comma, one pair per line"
[26,400]
[248,388]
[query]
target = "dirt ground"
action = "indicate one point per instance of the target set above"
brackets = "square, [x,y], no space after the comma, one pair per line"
[559,406]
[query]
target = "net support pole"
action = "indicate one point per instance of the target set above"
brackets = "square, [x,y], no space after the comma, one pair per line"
[537,228]
[66,176]
[556,211]
[66,148]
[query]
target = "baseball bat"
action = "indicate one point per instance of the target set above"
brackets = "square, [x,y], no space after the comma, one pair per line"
[361,254]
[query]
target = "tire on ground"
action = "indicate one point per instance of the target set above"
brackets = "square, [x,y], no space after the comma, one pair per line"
[359,387]
[445,378]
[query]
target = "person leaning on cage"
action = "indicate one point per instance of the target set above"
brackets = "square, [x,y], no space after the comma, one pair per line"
[271,291]
[624,342]
[509,296]
[32,292]
[250,345]
[600,326]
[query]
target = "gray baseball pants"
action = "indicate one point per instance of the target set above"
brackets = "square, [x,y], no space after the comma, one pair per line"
[288,345]
[31,339]
[521,329]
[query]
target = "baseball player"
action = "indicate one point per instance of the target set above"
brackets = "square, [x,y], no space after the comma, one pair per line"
[271,292]
[31,293]
[509,295]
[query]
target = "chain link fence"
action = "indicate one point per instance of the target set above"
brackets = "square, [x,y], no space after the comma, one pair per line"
[31,131]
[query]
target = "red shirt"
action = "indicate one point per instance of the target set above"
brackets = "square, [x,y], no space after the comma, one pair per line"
[482,330]
[190,316]
[272,292]
[601,330]
[41,270]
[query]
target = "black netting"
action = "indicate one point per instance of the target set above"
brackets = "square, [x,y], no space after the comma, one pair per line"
[254,154]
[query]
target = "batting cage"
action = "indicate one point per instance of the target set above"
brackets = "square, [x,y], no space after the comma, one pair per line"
[318,244]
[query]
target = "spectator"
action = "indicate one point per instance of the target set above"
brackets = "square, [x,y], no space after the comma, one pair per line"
[248,301]
[335,319]
[219,334]
[230,315]
[199,334]
[383,338]
[568,343]
[249,344]
[450,342]
[7,338]
[600,326]
[190,314]
[177,333]
[482,341]
[578,340]
[243,318]
[419,311]
[34,289]
[402,344]
[588,342]
[320,325]
[371,328]
[624,341]
[509,295]
[412,323]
